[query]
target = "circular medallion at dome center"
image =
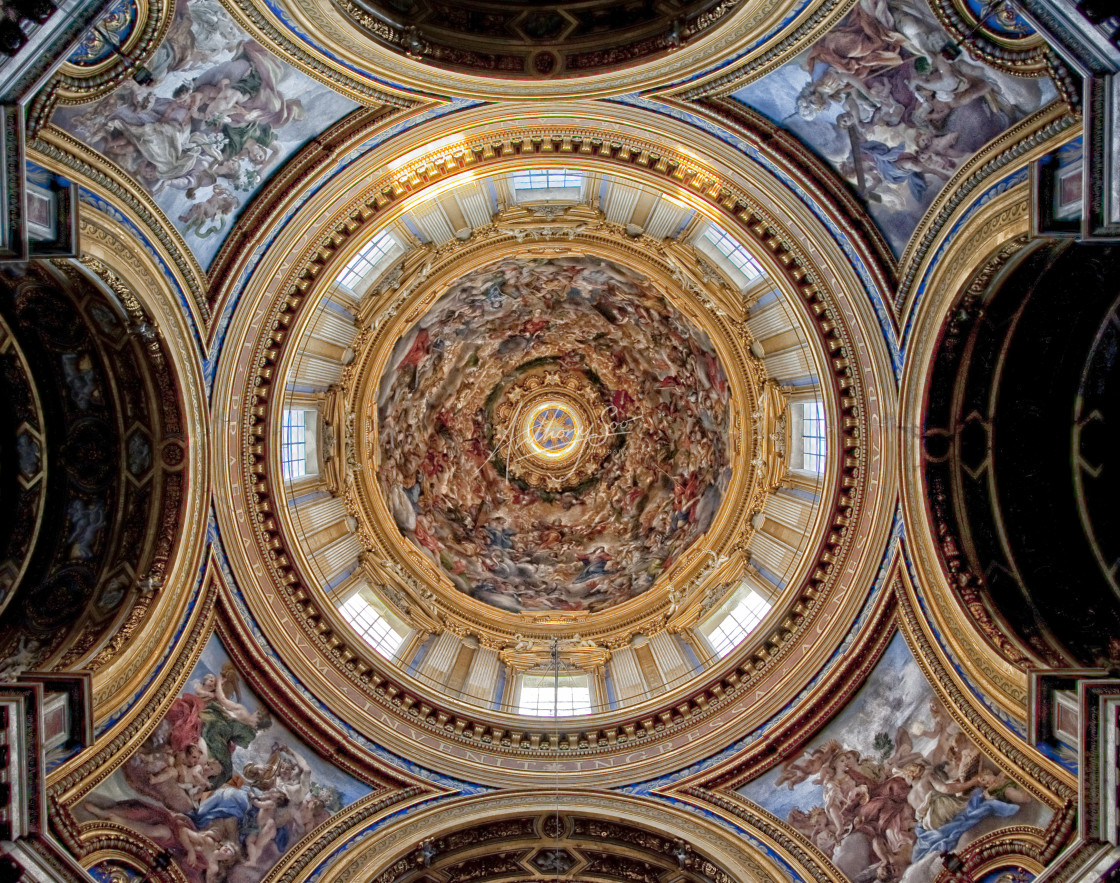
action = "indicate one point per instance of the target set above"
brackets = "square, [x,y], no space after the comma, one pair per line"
[553,434]
[553,431]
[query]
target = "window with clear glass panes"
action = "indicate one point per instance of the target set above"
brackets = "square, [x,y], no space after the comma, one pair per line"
[546,179]
[551,696]
[813,440]
[374,629]
[738,623]
[366,261]
[293,444]
[733,251]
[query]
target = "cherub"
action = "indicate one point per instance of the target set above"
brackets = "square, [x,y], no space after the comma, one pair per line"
[208,852]
[266,804]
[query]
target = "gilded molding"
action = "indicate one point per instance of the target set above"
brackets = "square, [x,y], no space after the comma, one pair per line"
[333,244]
[994,227]
[792,844]
[368,856]
[320,23]
[825,187]
[576,232]
[315,159]
[97,643]
[1046,780]
[263,27]
[75,779]
[76,160]
[80,776]
[717,790]
[294,709]
[816,709]
[1025,141]
[106,244]
[1023,56]
[777,52]
[353,672]
[75,84]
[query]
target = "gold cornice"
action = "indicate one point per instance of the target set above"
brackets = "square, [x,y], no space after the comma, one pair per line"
[856,385]
[820,180]
[264,211]
[808,861]
[66,156]
[771,54]
[715,789]
[1000,222]
[1021,56]
[124,675]
[1013,149]
[371,855]
[264,26]
[78,83]
[402,76]
[80,774]
[815,709]
[299,714]
[1046,780]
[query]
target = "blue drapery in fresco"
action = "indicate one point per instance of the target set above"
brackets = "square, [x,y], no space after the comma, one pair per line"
[945,838]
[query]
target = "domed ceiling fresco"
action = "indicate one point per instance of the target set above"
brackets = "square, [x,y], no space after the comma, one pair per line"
[551,382]
[626,464]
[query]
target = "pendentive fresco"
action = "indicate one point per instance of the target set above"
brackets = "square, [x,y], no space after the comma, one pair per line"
[219,785]
[218,119]
[892,782]
[876,98]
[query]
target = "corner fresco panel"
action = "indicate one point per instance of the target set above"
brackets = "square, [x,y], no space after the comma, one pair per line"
[878,100]
[219,785]
[219,117]
[892,782]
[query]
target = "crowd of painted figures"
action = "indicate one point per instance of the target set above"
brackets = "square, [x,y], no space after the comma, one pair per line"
[580,548]
[218,115]
[218,786]
[896,112]
[889,816]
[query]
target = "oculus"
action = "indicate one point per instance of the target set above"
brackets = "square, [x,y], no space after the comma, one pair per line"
[552,428]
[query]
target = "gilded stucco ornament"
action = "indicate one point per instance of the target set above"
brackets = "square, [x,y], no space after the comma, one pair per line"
[751,213]
[416,281]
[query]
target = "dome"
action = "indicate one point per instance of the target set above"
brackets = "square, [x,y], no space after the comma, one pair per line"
[536,458]
[576,440]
